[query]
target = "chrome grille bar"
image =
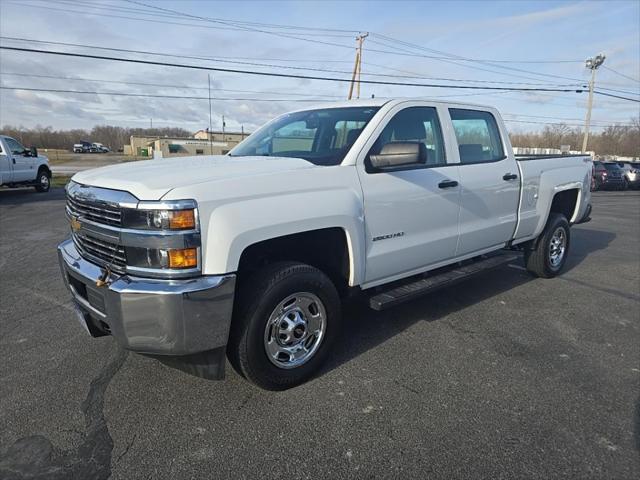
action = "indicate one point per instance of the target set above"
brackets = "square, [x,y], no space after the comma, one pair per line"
[94,211]
[101,252]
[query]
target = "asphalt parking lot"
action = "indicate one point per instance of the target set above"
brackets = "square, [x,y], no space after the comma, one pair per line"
[504,376]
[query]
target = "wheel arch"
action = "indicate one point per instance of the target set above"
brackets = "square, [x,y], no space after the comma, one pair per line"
[329,249]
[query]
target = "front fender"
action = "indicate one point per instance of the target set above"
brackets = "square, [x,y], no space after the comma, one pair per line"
[234,226]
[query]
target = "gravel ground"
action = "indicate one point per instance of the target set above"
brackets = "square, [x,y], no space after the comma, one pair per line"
[503,376]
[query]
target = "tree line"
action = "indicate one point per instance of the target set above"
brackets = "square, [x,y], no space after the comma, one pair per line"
[111,136]
[621,140]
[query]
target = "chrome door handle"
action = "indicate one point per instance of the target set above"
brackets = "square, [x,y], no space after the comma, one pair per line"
[509,176]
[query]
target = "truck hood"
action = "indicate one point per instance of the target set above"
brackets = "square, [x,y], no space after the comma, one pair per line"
[152,179]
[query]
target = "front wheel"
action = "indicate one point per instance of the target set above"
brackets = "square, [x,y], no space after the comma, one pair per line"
[286,321]
[550,253]
[43,181]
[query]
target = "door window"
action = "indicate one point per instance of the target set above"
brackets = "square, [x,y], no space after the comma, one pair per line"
[14,146]
[478,136]
[415,124]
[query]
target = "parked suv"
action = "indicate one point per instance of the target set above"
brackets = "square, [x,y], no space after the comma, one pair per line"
[630,174]
[608,176]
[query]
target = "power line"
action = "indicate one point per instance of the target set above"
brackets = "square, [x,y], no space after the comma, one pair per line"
[187,97]
[283,75]
[149,20]
[248,26]
[560,120]
[616,96]
[562,123]
[149,95]
[288,67]
[315,41]
[162,85]
[466,59]
[621,74]
[96,80]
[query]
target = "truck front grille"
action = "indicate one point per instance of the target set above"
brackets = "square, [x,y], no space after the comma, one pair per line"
[100,251]
[94,211]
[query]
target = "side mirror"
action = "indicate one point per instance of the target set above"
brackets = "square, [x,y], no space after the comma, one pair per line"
[399,154]
[33,151]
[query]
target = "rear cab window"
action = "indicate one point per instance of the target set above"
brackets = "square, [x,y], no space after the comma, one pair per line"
[478,136]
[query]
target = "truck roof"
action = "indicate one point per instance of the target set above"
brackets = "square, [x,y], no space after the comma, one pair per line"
[379,102]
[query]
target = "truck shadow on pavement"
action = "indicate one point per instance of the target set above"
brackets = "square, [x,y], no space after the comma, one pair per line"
[364,329]
[35,457]
[23,196]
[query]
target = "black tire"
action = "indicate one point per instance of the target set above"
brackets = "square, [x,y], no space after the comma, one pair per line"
[256,300]
[538,260]
[44,181]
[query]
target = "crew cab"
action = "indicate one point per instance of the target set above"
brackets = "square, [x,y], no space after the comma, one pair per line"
[23,167]
[248,255]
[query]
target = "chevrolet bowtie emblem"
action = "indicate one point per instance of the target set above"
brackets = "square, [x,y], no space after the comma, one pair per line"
[75,224]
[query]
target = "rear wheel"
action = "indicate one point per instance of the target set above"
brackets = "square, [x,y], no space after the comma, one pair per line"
[286,322]
[43,181]
[548,257]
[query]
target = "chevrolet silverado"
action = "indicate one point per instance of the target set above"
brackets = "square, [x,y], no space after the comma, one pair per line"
[247,256]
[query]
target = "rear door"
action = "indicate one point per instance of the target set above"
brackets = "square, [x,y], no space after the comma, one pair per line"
[490,187]
[411,214]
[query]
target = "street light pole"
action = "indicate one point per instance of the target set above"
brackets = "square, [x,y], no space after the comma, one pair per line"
[592,64]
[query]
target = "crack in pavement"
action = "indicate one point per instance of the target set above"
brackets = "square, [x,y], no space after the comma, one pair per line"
[35,457]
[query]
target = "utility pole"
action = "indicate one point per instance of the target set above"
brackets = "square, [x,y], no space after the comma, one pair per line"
[592,64]
[151,123]
[357,67]
[210,135]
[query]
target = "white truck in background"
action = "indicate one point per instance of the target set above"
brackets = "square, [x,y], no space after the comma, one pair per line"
[20,166]
[248,255]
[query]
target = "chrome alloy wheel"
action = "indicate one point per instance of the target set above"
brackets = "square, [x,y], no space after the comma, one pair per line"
[557,247]
[44,181]
[295,330]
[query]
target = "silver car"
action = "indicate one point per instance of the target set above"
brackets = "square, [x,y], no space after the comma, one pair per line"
[631,173]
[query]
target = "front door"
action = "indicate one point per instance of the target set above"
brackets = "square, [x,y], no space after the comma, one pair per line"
[411,215]
[489,182]
[22,165]
[6,172]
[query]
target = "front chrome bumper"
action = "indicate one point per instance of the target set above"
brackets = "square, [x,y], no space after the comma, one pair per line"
[157,317]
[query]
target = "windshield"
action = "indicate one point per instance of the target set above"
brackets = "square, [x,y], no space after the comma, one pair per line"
[613,167]
[322,137]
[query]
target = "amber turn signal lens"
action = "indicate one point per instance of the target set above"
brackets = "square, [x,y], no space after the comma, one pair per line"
[182,219]
[183,258]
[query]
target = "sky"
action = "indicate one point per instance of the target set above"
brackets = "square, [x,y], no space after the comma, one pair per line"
[472,43]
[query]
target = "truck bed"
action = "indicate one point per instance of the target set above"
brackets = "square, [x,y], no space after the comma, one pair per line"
[541,178]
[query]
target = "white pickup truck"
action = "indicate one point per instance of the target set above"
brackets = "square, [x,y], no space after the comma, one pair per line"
[20,166]
[248,255]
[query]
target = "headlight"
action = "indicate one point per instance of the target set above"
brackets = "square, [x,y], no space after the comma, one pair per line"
[162,258]
[164,237]
[159,219]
